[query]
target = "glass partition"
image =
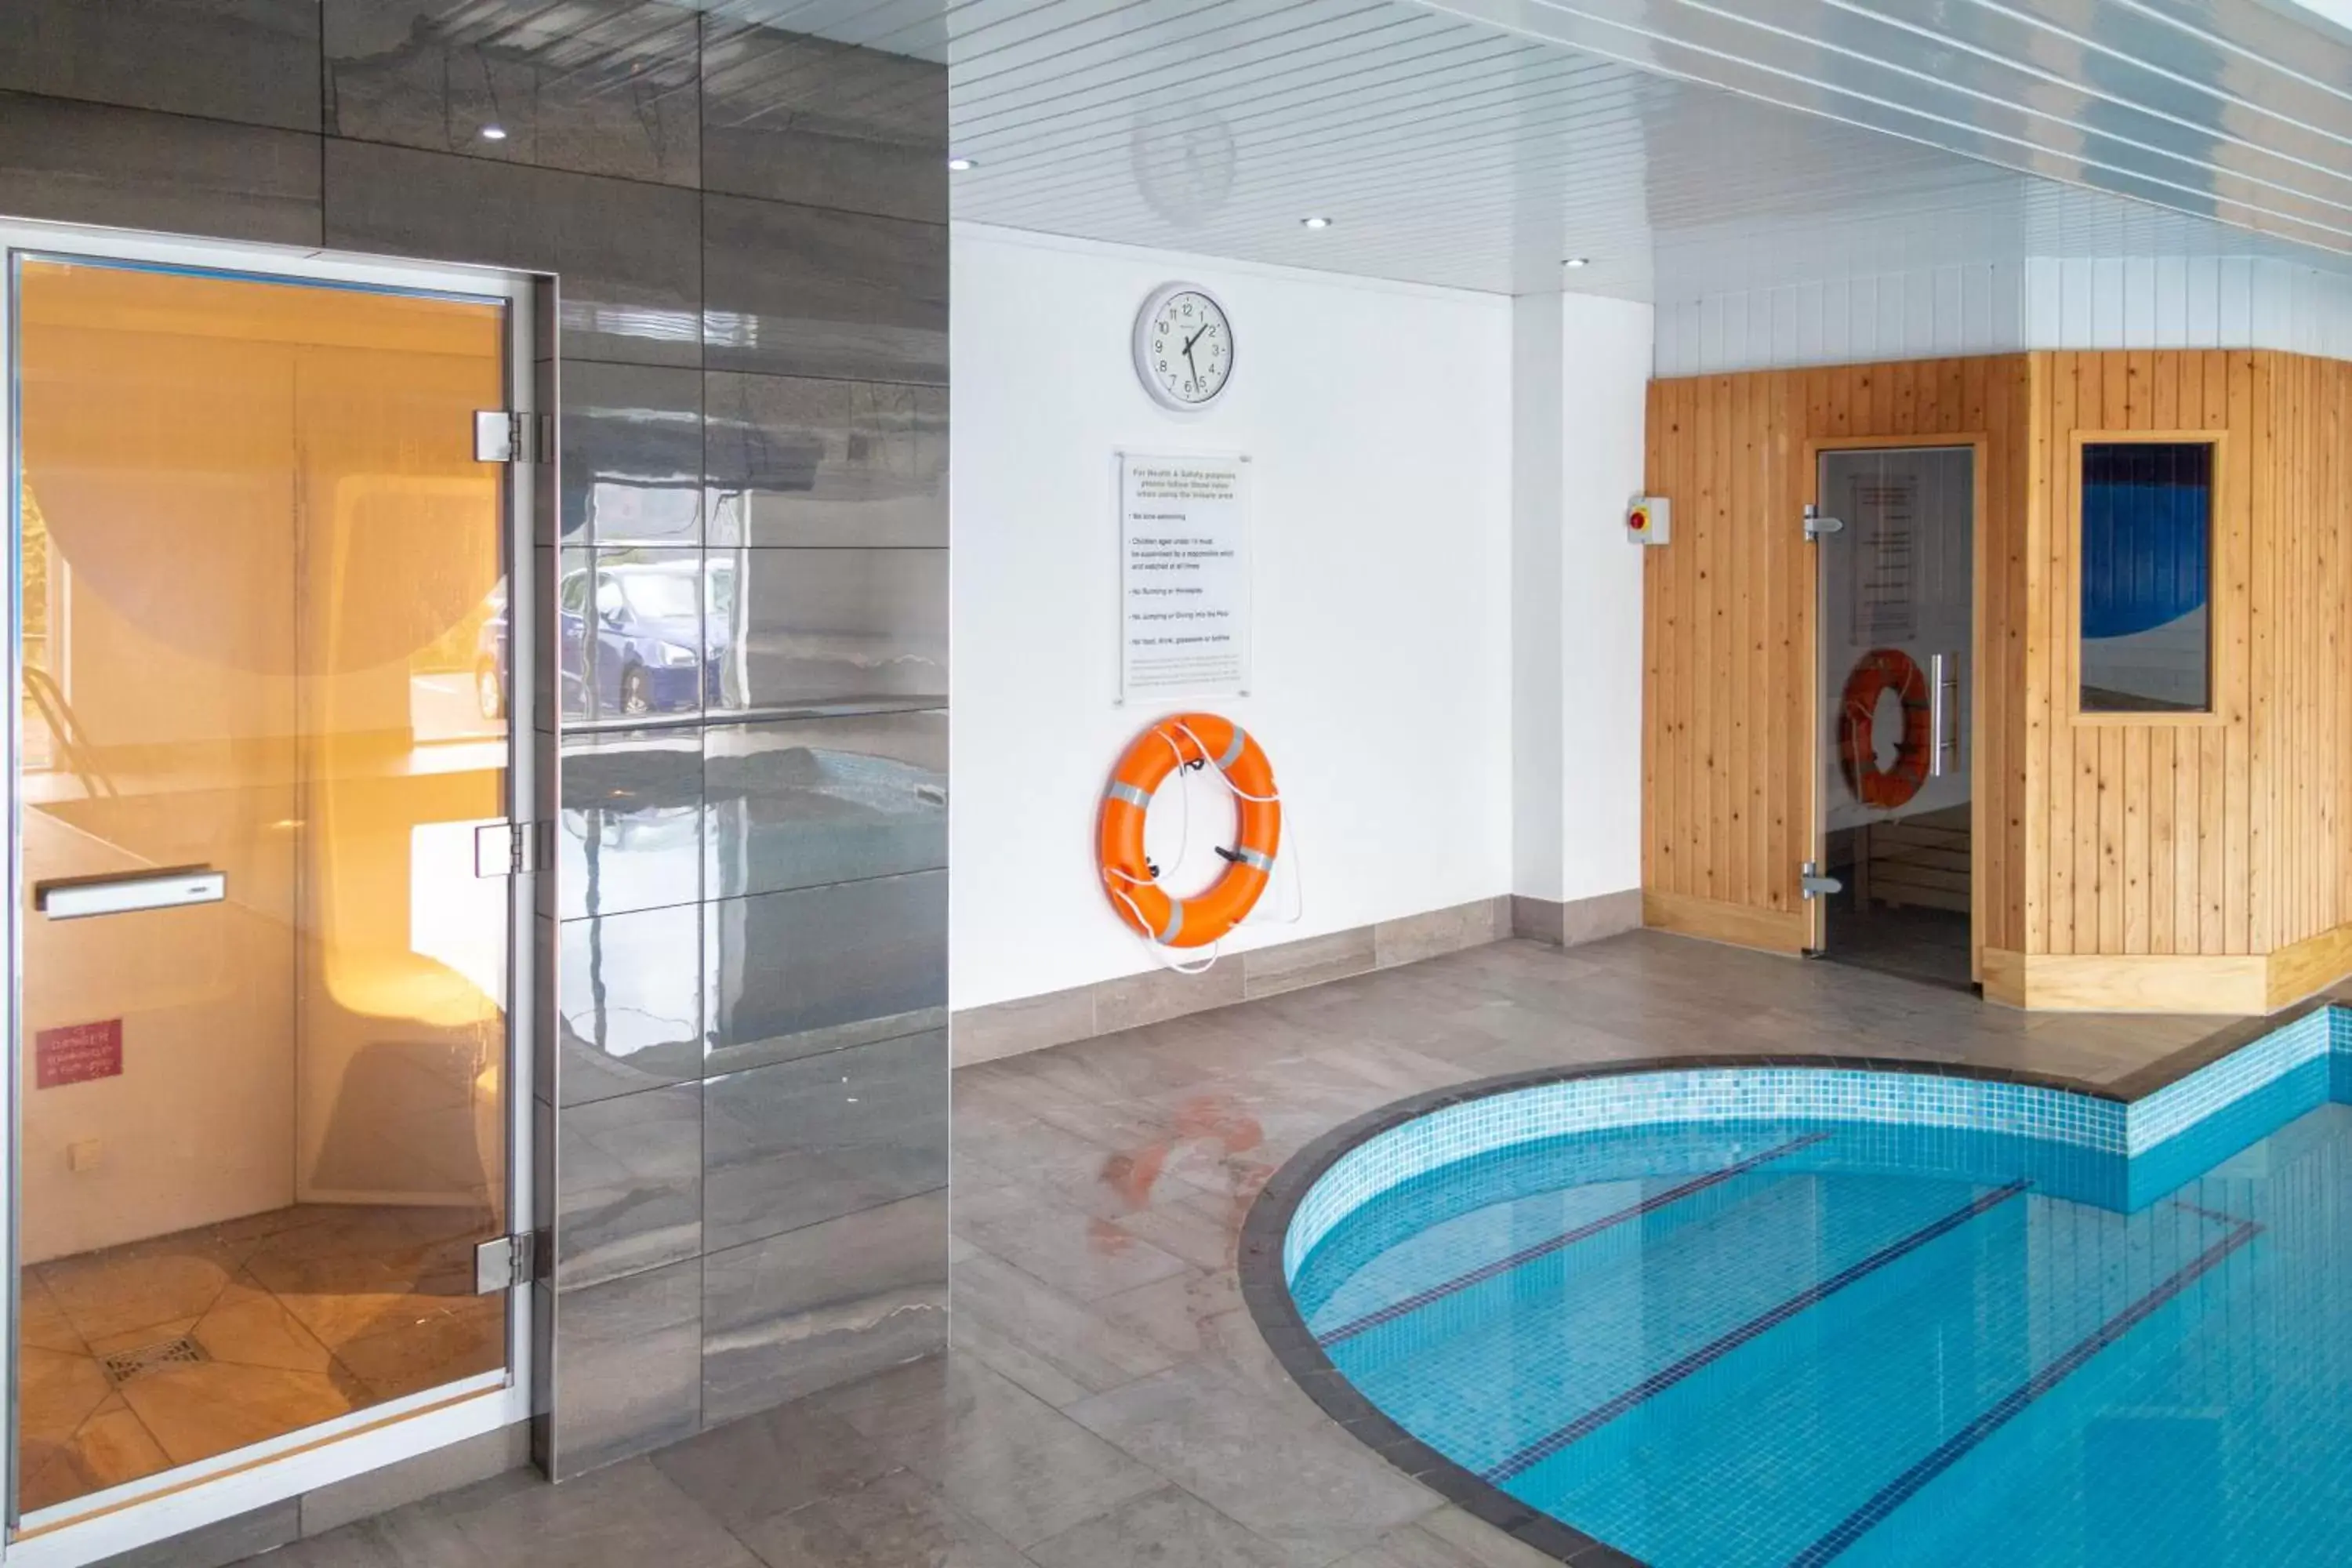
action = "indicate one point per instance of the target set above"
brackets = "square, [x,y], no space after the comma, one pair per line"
[262,1052]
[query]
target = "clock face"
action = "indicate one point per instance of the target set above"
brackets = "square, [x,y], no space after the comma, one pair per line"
[1184,347]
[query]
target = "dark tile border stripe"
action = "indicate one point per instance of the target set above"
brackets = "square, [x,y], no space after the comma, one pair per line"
[1949,1452]
[1561,1243]
[1267,1292]
[1714,1350]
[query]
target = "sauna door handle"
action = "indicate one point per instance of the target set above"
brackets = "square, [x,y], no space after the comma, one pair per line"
[1943,714]
[121,892]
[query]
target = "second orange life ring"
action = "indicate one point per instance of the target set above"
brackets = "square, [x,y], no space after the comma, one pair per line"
[1881,671]
[1191,741]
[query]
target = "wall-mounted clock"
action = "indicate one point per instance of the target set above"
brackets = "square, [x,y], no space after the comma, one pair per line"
[1183,346]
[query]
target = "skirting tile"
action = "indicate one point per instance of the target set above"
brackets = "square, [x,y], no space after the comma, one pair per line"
[1578,920]
[1162,994]
[1269,970]
[1106,1007]
[1024,1023]
[1440,931]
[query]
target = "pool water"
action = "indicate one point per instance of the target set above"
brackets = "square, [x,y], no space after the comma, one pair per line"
[1803,1343]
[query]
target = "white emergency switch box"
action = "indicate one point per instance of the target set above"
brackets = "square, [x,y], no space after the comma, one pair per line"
[1649,519]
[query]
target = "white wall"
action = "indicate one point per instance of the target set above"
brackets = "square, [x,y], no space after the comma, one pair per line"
[1379,420]
[1581,374]
[2109,302]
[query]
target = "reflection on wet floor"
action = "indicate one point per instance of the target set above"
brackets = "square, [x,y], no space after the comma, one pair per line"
[164,1351]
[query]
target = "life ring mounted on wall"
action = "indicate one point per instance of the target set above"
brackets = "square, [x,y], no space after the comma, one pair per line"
[1130,879]
[1881,671]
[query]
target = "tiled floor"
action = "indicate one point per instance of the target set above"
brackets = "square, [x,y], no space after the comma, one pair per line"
[172,1350]
[1107,1401]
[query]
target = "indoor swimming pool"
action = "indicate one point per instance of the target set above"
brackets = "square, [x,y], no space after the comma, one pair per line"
[1802,1316]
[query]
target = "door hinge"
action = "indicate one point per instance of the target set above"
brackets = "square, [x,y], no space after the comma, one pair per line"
[502,435]
[504,1262]
[1817,524]
[505,848]
[1813,885]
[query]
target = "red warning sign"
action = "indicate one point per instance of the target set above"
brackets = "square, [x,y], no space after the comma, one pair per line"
[77,1053]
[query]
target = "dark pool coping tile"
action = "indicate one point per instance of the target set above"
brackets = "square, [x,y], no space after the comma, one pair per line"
[2141,1082]
[1267,1292]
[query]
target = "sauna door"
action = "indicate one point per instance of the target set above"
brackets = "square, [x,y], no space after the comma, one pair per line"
[1896,648]
[263,1093]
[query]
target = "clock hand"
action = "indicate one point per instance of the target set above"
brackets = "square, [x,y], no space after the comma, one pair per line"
[1188,360]
[1194,339]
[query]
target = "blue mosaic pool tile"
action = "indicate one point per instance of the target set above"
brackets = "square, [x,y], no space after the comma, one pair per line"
[2092,1140]
[2173,1109]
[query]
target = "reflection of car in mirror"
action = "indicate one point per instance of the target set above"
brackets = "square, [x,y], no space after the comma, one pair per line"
[632,639]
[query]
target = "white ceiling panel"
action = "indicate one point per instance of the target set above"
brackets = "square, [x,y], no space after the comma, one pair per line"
[1684,147]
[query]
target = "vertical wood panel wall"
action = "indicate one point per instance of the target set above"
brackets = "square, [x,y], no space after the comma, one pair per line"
[1728,756]
[2201,861]
[2216,836]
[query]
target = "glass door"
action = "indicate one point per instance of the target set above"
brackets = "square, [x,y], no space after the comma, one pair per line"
[261,1053]
[1896,635]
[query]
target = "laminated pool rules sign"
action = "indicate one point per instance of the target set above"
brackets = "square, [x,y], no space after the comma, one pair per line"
[1184,599]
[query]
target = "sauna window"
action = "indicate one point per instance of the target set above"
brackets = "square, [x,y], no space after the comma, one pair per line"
[2146,553]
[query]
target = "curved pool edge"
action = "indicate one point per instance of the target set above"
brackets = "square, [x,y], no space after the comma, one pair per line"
[1265,1282]
[1266,1291]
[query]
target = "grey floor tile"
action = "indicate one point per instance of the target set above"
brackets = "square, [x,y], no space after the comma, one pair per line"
[1011,1461]
[1096,1189]
[897,1521]
[1166,1529]
[1028,1324]
[1210,1432]
[1081,1255]
[623,1517]
[772,1463]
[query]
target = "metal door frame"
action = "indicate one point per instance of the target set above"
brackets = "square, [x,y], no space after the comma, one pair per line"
[189,1496]
[1817,451]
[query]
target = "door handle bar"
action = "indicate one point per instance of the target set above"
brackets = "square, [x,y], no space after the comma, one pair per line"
[121,892]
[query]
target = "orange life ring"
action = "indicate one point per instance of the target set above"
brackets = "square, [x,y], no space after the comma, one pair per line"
[1188,739]
[1881,671]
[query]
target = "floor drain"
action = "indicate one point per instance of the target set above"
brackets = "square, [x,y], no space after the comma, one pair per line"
[124,1366]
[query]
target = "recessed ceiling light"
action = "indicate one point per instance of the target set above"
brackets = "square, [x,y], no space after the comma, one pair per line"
[494,132]
[1316,222]
[1578,261]
[961,164]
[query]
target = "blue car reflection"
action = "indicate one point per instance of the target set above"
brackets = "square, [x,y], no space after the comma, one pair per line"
[633,637]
